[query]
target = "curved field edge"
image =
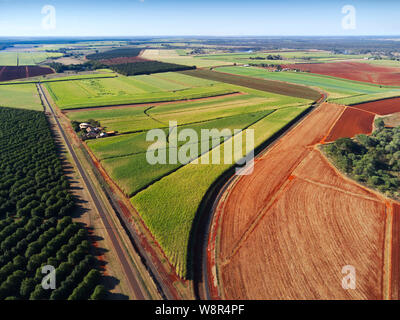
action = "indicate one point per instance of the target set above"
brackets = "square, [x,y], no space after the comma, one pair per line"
[278,229]
[169,206]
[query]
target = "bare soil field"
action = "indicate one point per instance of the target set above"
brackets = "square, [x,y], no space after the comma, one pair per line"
[351,123]
[14,72]
[299,222]
[353,71]
[392,120]
[382,107]
[283,88]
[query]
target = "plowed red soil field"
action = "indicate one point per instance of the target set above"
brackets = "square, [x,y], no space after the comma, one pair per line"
[382,107]
[353,71]
[14,72]
[350,123]
[288,229]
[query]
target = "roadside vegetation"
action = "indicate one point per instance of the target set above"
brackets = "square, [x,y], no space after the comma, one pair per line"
[372,160]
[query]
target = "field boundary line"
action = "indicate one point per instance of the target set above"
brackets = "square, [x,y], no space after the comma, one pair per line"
[387,253]
[324,185]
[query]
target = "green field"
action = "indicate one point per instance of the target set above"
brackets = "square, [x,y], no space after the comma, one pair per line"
[146,117]
[22,96]
[337,88]
[170,205]
[9,58]
[130,90]
[366,97]
[172,56]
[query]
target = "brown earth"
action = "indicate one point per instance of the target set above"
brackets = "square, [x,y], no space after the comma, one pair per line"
[13,72]
[352,122]
[352,71]
[382,107]
[299,221]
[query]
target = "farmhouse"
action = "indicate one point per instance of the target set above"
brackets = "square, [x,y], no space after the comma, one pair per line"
[84,125]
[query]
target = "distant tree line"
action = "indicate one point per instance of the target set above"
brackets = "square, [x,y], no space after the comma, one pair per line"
[147,67]
[87,66]
[373,160]
[269,57]
[36,228]
[116,53]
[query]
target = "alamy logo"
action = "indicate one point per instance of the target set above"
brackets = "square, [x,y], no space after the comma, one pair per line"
[185,146]
[49,20]
[349,280]
[349,20]
[49,280]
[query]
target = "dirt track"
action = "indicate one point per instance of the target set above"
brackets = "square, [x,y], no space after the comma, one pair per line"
[299,221]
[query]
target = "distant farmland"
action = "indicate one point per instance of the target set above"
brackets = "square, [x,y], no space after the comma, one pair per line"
[335,87]
[353,71]
[8,58]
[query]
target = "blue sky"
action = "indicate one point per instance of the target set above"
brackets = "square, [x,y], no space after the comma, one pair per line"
[191,17]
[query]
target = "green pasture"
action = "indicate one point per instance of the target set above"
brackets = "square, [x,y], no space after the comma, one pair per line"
[24,96]
[9,58]
[123,90]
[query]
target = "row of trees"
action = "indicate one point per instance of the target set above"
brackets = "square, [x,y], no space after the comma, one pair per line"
[35,224]
[373,160]
[87,66]
[115,53]
[147,67]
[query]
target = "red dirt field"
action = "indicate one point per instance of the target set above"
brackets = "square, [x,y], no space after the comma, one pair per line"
[351,123]
[353,71]
[382,107]
[13,72]
[299,221]
[121,60]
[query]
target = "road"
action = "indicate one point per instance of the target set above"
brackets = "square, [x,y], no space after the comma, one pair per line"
[202,284]
[129,272]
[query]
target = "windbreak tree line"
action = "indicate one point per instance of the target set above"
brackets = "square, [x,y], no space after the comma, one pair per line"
[116,53]
[35,224]
[373,160]
[147,67]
